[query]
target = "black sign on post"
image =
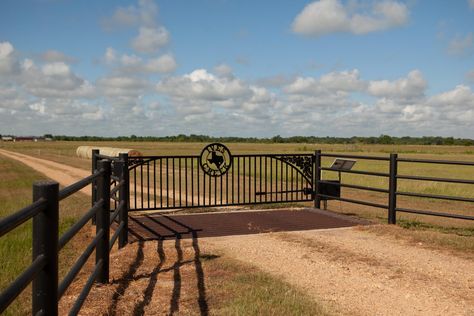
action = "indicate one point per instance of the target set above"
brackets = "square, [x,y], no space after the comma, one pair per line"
[343,164]
[340,164]
[329,189]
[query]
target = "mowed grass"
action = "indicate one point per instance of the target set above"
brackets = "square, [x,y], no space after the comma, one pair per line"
[458,241]
[16,246]
[178,277]
[248,291]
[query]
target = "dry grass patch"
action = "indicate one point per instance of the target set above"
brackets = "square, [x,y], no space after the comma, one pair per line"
[16,246]
[458,241]
[178,277]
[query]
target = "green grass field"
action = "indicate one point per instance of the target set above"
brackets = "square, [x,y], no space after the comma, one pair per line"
[16,246]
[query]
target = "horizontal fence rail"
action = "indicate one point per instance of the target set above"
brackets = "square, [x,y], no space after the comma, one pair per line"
[43,271]
[392,190]
[318,179]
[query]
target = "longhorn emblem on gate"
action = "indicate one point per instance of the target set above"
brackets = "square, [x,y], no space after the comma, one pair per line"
[215,159]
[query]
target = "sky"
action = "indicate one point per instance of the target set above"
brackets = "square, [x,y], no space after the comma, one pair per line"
[237,68]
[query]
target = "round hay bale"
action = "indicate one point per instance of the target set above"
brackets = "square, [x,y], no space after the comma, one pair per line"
[86,151]
[134,153]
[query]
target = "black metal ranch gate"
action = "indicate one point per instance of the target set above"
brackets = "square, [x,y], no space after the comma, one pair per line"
[217,178]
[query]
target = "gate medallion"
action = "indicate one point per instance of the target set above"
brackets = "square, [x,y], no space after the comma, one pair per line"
[215,159]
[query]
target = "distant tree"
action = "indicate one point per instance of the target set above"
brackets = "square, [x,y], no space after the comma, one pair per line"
[277,139]
[385,139]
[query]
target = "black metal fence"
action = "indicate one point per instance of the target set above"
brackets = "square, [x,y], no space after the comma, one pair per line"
[43,272]
[169,182]
[392,190]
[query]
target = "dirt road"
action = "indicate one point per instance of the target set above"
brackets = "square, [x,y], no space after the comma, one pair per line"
[352,270]
[359,273]
[65,175]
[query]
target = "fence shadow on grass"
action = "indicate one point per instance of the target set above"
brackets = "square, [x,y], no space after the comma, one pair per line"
[152,276]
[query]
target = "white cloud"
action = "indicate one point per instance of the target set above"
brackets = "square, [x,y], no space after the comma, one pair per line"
[130,60]
[110,56]
[56,69]
[345,81]
[122,86]
[202,85]
[461,97]
[151,36]
[144,14]
[50,97]
[12,99]
[201,97]
[417,113]
[150,39]
[163,64]
[133,64]
[6,50]
[471,3]
[52,56]
[462,46]
[8,62]
[54,80]
[331,16]
[403,89]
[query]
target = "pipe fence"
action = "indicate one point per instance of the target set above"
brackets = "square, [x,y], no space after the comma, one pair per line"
[392,190]
[44,211]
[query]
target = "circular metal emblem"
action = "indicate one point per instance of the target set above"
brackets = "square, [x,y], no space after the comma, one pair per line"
[215,159]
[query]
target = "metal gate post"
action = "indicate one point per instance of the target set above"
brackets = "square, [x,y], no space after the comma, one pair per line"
[125,198]
[317,178]
[103,222]
[94,160]
[45,243]
[392,188]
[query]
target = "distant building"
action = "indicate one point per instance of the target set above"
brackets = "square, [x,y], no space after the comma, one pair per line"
[26,139]
[7,138]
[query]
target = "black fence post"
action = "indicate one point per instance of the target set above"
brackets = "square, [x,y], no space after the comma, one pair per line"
[45,243]
[125,198]
[317,178]
[392,188]
[94,160]
[103,221]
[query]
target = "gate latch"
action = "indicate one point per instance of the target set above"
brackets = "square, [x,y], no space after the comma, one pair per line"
[306,191]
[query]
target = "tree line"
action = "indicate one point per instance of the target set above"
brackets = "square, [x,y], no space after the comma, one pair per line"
[382,139]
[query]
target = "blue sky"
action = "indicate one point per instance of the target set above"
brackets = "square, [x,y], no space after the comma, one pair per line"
[242,68]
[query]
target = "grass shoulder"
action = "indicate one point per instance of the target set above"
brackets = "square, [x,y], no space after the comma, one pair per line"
[456,240]
[245,290]
[16,246]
